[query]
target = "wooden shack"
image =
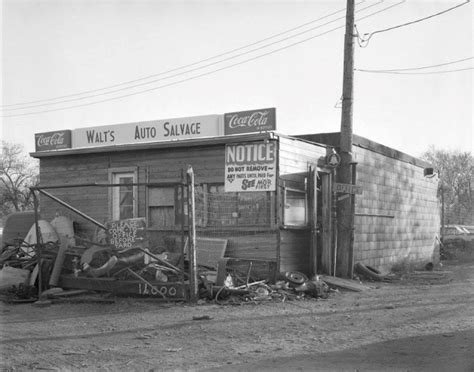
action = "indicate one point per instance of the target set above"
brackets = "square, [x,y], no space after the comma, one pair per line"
[261,197]
[267,196]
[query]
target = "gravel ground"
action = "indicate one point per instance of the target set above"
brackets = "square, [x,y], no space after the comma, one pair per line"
[410,324]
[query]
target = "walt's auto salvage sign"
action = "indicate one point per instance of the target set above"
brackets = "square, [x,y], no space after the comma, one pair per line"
[250,167]
[249,121]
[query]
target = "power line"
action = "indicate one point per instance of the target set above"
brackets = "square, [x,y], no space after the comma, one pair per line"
[185,66]
[183,72]
[415,68]
[363,42]
[419,73]
[203,74]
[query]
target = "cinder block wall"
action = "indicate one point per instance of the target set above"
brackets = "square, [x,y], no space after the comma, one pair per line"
[398,215]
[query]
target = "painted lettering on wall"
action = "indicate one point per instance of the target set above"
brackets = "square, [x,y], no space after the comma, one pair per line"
[127,233]
[94,136]
[148,131]
[145,133]
[185,129]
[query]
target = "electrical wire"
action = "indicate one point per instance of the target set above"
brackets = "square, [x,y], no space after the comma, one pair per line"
[183,72]
[200,75]
[363,42]
[419,73]
[415,68]
[187,65]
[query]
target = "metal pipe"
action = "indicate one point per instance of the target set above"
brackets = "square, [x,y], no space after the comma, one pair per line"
[64,204]
[193,280]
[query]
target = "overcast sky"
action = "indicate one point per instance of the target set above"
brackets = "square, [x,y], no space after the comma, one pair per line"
[72,50]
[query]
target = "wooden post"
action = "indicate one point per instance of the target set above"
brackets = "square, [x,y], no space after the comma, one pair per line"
[353,196]
[193,277]
[59,261]
[38,244]
[442,210]
[313,192]
[344,210]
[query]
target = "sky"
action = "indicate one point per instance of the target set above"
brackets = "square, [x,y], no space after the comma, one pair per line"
[83,63]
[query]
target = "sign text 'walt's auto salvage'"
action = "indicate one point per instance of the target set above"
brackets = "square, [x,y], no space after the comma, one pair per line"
[250,167]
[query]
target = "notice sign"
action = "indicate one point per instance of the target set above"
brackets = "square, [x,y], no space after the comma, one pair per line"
[250,167]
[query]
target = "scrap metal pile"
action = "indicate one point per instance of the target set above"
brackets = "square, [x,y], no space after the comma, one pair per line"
[120,261]
[288,286]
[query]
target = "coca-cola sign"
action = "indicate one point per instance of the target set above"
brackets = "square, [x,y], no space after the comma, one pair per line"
[57,140]
[250,121]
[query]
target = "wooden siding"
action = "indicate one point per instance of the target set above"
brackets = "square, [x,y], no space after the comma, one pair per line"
[296,156]
[295,250]
[161,165]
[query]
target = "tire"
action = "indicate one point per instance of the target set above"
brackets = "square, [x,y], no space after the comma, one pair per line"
[295,277]
[369,272]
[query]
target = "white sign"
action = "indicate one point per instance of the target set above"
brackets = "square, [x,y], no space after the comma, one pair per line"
[148,131]
[347,188]
[250,167]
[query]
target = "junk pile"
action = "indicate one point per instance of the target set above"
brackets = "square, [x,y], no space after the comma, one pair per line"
[121,261]
[116,261]
[288,286]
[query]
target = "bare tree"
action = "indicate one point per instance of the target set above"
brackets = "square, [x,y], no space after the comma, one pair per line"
[17,173]
[456,172]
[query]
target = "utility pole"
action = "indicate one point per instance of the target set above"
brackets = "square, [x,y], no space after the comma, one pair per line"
[344,175]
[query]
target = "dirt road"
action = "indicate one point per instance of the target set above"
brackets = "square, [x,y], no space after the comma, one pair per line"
[406,325]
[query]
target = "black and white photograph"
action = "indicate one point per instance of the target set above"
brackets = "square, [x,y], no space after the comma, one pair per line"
[236,185]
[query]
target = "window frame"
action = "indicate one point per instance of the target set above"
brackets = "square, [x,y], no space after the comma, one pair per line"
[113,173]
[285,224]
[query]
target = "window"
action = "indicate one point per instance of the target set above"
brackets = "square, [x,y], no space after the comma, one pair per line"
[234,208]
[295,207]
[124,197]
[168,207]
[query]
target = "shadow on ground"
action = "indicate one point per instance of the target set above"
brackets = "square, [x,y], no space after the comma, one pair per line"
[437,352]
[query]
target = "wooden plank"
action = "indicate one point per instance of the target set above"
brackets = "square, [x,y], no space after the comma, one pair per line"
[209,251]
[344,283]
[171,290]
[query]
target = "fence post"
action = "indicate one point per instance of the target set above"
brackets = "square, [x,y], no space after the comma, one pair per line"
[193,277]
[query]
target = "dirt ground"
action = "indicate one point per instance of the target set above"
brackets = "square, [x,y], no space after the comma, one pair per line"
[408,325]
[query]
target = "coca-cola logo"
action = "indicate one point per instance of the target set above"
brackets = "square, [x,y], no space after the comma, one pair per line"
[258,118]
[250,121]
[52,140]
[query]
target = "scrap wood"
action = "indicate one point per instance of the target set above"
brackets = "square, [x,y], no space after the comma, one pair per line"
[344,283]
[81,299]
[60,293]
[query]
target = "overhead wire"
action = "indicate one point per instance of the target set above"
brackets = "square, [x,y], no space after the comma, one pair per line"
[206,73]
[187,65]
[364,41]
[415,68]
[183,72]
[419,73]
